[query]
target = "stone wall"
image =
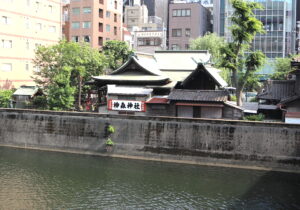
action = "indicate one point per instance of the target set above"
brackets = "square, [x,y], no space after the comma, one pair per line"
[156,137]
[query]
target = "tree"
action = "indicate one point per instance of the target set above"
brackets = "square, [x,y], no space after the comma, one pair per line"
[117,53]
[211,42]
[244,28]
[282,68]
[5,97]
[63,69]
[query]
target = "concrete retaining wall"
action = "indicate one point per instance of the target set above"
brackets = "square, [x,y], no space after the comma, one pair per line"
[217,141]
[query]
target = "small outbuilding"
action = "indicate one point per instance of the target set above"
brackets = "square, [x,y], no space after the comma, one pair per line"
[24,95]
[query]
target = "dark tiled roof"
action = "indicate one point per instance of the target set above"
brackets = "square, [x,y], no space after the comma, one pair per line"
[278,89]
[289,99]
[198,95]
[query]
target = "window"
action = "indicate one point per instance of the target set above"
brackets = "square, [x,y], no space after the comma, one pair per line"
[115,31]
[6,43]
[27,66]
[76,11]
[75,25]
[100,27]
[5,20]
[107,14]
[176,32]
[107,39]
[100,41]
[175,47]
[107,28]
[115,17]
[27,23]
[87,10]
[52,29]
[187,32]
[116,5]
[27,44]
[100,13]
[6,67]
[86,38]
[86,24]
[187,46]
[37,6]
[75,38]
[50,8]
[100,1]
[38,26]
[181,12]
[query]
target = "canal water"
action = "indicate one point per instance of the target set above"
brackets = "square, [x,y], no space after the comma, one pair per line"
[47,180]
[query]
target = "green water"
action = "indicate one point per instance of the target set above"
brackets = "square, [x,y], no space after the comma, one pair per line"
[48,180]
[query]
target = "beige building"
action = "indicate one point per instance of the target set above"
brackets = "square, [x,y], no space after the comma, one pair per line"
[24,25]
[95,21]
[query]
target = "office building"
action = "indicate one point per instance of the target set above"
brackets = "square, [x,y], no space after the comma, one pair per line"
[24,25]
[186,21]
[278,18]
[95,22]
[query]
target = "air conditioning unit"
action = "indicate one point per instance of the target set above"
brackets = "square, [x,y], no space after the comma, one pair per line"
[291,77]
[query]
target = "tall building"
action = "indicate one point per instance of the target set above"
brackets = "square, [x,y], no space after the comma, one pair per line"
[158,8]
[95,21]
[298,28]
[278,18]
[24,25]
[186,21]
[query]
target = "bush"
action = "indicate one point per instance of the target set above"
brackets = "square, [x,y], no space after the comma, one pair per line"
[40,102]
[254,99]
[109,142]
[232,98]
[258,117]
[5,98]
[110,129]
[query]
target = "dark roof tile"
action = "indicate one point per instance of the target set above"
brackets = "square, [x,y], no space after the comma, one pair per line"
[198,95]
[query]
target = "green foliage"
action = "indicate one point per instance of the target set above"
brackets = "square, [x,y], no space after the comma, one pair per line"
[116,52]
[110,129]
[64,67]
[40,102]
[232,98]
[245,27]
[109,142]
[258,117]
[211,42]
[254,99]
[282,68]
[5,97]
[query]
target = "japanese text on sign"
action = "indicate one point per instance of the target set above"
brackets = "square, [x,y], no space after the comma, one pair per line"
[123,105]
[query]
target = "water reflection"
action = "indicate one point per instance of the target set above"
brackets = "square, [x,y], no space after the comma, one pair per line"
[41,180]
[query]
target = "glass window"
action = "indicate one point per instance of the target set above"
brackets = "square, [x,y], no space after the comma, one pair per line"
[176,32]
[87,10]
[86,24]
[107,28]
[175,47]
[50,8]
[187,32]
[39,26]
[76,11]
[75,25]
[6,43]
[75,38]
[5,20]
[107,14]
[52,29]
[86,38]
[6,67]
[188,12]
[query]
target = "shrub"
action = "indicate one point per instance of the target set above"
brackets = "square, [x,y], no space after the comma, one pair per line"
[232,98]
[109,142]
[258,117]
[40,102]
[110,129]
[5,97]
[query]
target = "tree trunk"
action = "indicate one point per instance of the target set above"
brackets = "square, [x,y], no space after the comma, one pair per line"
[79,92]
[234,78]
[239,94]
